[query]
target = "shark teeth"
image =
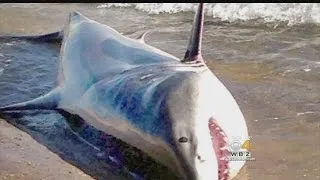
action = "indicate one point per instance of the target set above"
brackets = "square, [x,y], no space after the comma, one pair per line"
[223,148]
[219,142]
[222,133]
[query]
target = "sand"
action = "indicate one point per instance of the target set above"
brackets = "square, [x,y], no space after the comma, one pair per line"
[21,157]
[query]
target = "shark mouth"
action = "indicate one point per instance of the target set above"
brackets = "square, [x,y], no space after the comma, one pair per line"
[219,143]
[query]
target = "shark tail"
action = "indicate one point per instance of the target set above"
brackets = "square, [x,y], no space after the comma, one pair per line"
[49,101]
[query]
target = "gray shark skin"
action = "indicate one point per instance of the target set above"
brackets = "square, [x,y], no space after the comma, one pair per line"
[175,110]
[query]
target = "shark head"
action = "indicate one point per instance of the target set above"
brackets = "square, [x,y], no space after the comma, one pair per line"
[204,117]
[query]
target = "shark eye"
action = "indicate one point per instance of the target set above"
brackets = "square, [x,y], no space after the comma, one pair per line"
[183,140]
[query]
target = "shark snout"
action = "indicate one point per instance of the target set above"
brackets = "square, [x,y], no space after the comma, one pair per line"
[202,168]
[197,159]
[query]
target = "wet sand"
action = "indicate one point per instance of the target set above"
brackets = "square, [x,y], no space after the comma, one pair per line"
[285,136]
[21,157]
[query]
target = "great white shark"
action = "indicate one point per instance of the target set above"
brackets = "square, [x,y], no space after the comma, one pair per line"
[177,111]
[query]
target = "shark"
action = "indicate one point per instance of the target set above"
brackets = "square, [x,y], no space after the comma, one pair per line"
[174,109]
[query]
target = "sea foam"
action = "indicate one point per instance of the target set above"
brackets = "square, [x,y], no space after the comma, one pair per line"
[289,13]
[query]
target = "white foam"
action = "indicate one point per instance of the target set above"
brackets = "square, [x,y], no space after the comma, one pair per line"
[303,113]
[290,13]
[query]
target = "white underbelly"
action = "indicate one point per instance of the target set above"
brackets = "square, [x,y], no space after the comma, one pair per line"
[122,129]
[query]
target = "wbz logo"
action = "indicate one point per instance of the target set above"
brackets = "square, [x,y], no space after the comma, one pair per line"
[240,152]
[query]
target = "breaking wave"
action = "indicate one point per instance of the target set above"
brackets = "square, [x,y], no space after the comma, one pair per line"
[288,13]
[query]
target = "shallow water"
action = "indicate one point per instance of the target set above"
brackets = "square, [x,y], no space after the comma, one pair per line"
[272,70]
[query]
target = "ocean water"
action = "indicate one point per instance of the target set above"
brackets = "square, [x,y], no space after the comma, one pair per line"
[290,14]
[268,55]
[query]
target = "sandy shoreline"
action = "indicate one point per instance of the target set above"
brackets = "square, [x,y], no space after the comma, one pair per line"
[21,157]
[281,108]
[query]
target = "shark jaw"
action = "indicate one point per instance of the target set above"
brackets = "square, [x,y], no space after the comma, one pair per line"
[219,143]
[210,161]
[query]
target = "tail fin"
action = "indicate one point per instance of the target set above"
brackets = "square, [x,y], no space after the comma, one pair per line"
[194,47]
[50,37]
[46,102]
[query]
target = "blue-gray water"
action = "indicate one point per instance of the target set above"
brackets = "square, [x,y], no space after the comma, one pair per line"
[272,70]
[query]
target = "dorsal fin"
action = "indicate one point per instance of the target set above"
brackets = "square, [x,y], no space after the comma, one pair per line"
[193,52]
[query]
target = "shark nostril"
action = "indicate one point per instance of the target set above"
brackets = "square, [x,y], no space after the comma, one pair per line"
[200,158]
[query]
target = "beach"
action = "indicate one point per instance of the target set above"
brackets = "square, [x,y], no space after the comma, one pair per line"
[271,69]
